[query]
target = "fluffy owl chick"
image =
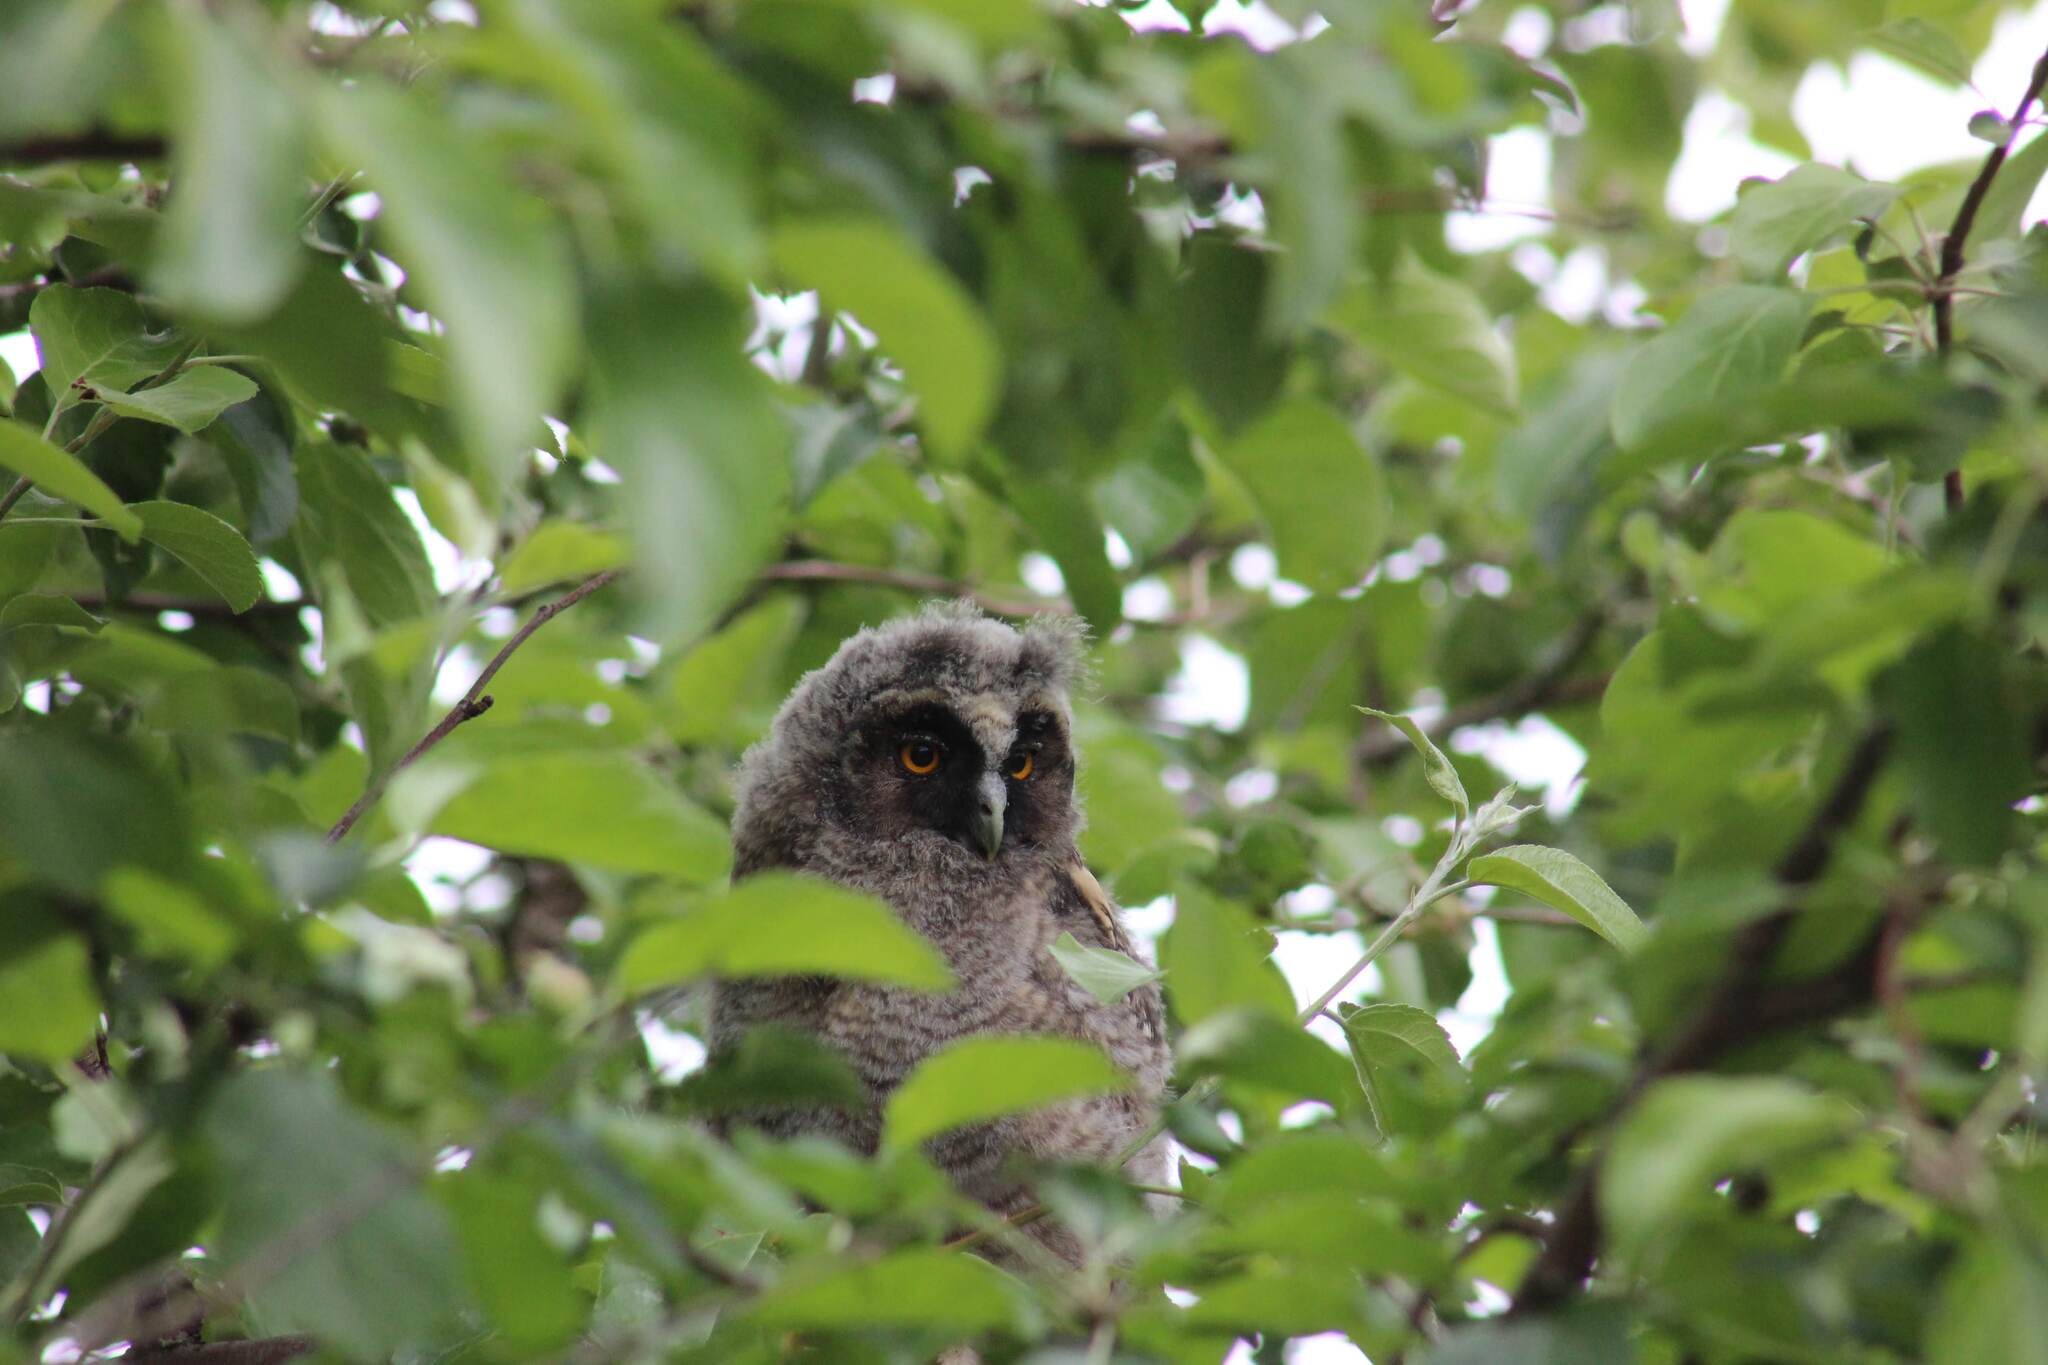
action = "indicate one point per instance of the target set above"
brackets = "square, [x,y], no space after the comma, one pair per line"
[931,763]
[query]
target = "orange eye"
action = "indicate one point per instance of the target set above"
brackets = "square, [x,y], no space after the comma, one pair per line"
[1021,765]
[919,756]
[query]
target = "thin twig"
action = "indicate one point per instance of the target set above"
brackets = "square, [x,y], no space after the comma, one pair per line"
[94,144]
[473,703]
[1959,236]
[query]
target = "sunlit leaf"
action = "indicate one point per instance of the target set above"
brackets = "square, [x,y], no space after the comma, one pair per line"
[189,402]
[1107,975]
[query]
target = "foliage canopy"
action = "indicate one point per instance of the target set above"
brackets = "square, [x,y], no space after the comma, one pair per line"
[383,350]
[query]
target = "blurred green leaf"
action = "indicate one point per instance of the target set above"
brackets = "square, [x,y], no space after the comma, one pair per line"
[62,476]
[1317,488]
[468,231]
[1962,742]
[1107,975]
[49,1006]
[607,809]
[296,1159]
[1435,329]
[782,924]
[1215,958]
[920,1287]
[926,323]
[1780,219]
[189,402]
[988,1077]
[229,247]
[1688,1130]
[556,552]
[1923,43]
[206,545]
[1730,344]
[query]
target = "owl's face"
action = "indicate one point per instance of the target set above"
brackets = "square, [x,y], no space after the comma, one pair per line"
[942,738]
[988,775]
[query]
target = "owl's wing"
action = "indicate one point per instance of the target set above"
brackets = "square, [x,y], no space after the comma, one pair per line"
[1106,929]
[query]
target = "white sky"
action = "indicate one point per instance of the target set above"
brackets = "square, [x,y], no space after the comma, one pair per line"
[1881,118]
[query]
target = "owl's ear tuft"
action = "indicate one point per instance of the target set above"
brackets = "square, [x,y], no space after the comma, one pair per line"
[1056,648]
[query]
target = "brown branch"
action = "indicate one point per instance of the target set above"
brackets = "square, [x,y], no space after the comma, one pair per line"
[1959,237]
[204,608]
[907,580]
[262,1351]
[473,704]
[1549,685]
[94,144]
[1742,1008]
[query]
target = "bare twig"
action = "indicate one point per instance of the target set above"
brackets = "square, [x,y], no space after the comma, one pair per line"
[473,703]
[1959,236]
[261,1351]
[94,144]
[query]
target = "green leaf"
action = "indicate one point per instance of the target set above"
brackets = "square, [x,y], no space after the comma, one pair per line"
[1442,777]
[1925,44]
[1386,1034]
[1687,1131]
[714,684]
[919,1287]
[1233,367]
[692,427]
[606,809]
[59,473]
[294,1157]
[189,402]
[2005,205]
[1993,1304]
[1561,882]
[1319,491]
[782,924]
[923,319]
[1779,219]
[987,1077]
[1215,958]
[522,1282]
[49,1006]
[96,337]
[1256,1049]
[1731,344]
[466,234]
[46,609]
[170,919]
[556,552]
[206,545]
[229,247]
[1435,330]
[1104,973]
[348,518]
[1962,743]
[222,701]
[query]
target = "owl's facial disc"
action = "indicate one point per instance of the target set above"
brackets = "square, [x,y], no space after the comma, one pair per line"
[983,773]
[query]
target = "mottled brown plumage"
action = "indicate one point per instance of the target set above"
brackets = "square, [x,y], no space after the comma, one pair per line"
[836,790]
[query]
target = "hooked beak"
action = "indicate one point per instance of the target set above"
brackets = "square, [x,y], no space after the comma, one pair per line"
[987,820]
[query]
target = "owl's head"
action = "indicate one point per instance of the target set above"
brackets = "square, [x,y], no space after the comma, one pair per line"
[947,732]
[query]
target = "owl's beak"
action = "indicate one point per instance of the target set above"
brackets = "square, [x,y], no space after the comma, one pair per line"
[987,821]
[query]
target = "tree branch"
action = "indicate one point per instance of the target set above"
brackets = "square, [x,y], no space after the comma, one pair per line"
[473,704]
[262,1351]
[1959,236]
[1548,685]
[1741,1009]
[94,144]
